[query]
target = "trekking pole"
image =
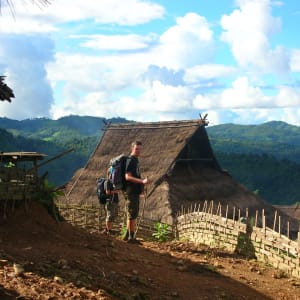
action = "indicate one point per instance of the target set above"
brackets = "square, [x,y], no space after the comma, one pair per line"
[143,210]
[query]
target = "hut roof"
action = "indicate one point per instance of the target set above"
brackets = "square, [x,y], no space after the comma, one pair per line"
[163,145]
[21,156]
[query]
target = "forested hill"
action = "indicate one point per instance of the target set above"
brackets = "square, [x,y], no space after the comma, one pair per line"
[265,158]
[53,137]
[275,138]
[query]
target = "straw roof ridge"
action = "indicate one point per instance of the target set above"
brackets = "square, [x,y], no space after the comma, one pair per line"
[156,125]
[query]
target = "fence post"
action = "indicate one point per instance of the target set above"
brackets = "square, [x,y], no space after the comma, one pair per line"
[279,225]
[256,218]
[275,220]
[298,244]
[233,216]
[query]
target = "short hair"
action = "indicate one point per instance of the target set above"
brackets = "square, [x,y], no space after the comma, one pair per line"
[136,143]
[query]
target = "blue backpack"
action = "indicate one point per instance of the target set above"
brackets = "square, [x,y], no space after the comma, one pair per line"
[118,166]
[100,191]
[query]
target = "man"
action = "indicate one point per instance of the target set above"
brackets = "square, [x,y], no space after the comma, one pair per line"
[134,188]
[111,205]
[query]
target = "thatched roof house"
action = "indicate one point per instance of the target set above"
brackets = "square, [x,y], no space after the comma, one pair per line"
[178,158]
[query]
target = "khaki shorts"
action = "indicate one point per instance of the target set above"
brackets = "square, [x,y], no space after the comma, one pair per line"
[111,209]
[132,206]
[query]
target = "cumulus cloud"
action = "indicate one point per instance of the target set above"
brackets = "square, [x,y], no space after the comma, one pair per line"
[35,19]
[248,29]
[95,61]
[23,62]
[185,44]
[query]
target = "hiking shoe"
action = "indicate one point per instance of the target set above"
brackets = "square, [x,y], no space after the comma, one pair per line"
[134,241]
[126,236]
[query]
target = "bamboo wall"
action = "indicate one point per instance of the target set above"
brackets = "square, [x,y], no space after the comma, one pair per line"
[241,234]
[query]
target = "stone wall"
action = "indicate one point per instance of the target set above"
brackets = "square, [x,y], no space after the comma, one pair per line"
[242,236]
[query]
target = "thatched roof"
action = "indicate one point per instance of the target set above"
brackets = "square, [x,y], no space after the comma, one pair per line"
[6,92]
[178,158]
[162,144]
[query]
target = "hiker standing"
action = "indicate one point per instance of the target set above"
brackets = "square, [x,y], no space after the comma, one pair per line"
[111,205]
[134,188]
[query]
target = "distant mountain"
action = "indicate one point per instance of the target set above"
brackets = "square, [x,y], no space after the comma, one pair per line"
[275,138]
[265,158]
[53,137]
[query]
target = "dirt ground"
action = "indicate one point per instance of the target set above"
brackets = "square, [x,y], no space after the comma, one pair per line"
[43,259]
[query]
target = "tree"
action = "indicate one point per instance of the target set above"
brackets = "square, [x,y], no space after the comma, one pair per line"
[6,93]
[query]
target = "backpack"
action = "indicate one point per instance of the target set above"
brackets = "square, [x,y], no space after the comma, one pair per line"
[118,166]
[100,191]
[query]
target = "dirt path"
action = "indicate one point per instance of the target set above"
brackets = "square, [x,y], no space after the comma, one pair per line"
[58,261]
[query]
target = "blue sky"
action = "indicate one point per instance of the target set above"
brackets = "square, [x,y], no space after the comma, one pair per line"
[237,61]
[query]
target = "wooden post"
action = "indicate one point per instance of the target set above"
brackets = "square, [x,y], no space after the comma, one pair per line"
[204,206]
[279,225]
[233,216]
[288,229]
[226,213]
[298,243]
[211,206]
[247,213]
[275,220]
[256,218]
[199,207]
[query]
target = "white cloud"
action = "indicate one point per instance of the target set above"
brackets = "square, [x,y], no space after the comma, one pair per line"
[248,29]
[187,43]
[243,95]
[208,71]
[31,18]
[93,65]
[295,60]
[117,42]
[23,61]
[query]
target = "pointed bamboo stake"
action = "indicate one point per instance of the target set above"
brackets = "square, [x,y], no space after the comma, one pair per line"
[275,220]
[256,218]
[279,225]
[233,215]
[199,207]
[204,206]
[226,213]
[298,240]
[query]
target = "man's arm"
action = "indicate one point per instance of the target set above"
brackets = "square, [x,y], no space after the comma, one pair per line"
[133,179]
